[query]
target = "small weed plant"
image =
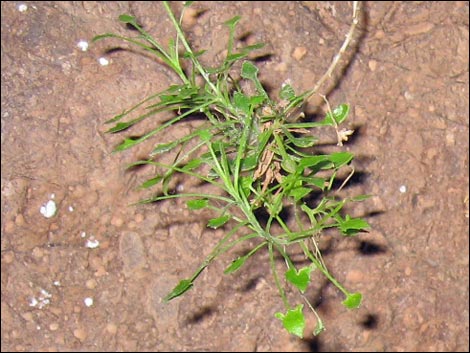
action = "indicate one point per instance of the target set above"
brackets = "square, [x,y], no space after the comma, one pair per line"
[255,149]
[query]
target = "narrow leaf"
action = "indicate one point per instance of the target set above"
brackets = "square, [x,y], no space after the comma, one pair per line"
[164,147]
[183,286]
[151,182]
[197,204]
[128,19]
[235,265]
[218,222]
[127,143]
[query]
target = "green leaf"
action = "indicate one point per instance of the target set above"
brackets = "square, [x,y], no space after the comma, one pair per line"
[319,328]
[340,114]
[127,143]
[341,158]
[287,92]
[293,320]
[360,197]
[241,102]
[218,222]
[197,204]
[353,300]
[192,164]
[351,226]
[128,19]
[289,165]
[299,193]
[205,135]
[121,126]
[312,161]
[151,182]
[233,21]
[164,147]
[249,71]
[182,287]
[236,264]
[301,278]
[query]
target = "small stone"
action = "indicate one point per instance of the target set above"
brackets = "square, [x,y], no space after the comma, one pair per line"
[355,276]
[80,334]
[8,257]
[138,218]
[9,226]
[372,65]
[111,328]
[54,326]
[299,53]
[91,283]
[117,221]
[19,220]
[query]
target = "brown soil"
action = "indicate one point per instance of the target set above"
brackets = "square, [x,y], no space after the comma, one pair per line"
[408,85]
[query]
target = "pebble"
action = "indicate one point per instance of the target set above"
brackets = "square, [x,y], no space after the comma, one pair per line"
[91,283]
[9,257]
[117,221]
[111,328]
[80,334]
[54,326]
[355,276]
[9,227]
[299,53]
[372,65]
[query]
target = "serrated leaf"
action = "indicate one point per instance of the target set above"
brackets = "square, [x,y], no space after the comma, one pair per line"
[197,204]
[182,287]
[300,279]
[235,265]
[293,320]
[218,222]
[353,301]
[351,226]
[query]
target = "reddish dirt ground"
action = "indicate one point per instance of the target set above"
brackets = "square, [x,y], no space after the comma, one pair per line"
[407,82]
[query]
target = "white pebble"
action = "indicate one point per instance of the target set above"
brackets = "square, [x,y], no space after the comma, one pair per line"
[88,301]
[33,302]
[83,234]
[403,189]
[103,61]
[49,209]
[22,7]
[92,243]
[70,209]
[83,45]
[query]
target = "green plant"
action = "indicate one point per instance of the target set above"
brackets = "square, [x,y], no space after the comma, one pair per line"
[258,151]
